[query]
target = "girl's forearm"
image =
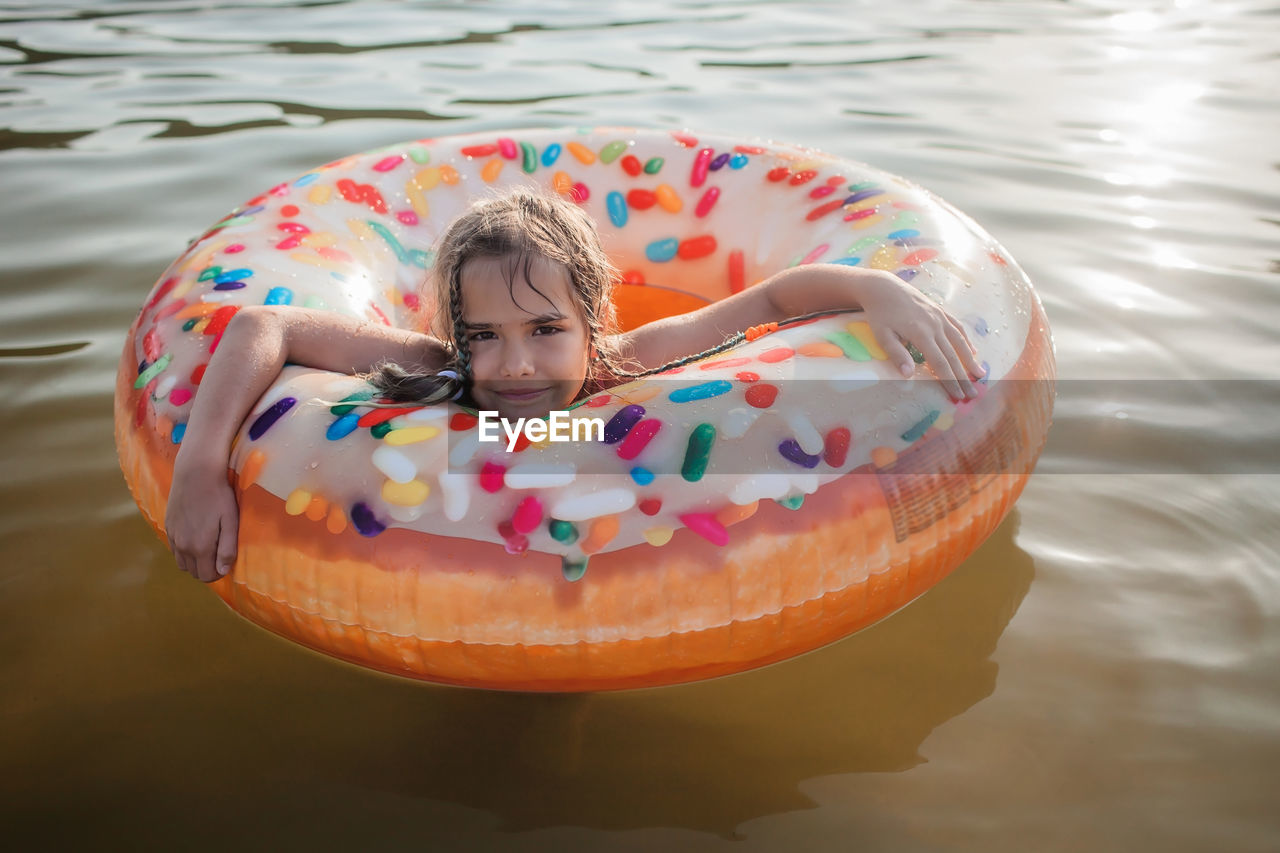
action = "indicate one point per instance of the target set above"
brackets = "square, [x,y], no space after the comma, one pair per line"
[824,287]
[249,357]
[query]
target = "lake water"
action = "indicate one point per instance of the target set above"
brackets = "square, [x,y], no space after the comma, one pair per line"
[1101,675]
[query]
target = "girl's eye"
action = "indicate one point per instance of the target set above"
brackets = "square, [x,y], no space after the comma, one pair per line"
[480,336]
[547,330]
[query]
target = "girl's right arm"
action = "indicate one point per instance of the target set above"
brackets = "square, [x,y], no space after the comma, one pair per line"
[202,518]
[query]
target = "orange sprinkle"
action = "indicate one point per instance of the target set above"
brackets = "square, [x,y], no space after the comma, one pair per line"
[733,513]
[584,154]
[491,170]
[821,349]
[756,332]
[252,468]
[602,532]
[450,176]
[337,520]
[883,457]
[317,509]
[561,182]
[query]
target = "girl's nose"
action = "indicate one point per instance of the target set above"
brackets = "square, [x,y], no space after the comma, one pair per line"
[516,360]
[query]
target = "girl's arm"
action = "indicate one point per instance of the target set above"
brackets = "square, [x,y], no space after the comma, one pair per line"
[897,312]
[201,517]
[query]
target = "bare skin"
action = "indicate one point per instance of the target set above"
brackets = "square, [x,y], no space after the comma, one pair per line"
[529,356]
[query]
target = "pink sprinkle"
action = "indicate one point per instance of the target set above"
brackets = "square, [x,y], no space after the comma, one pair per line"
[280,189]
[527,516]
[819,192]
[701,162]
[707,201]
[411,301]
[179,396]
[580,192]
[815,254]
[507,148]
[290,242]
[408,217]
[638,438]
[233,248]
[388,163]
[706,526]
[859,214]
[491,476]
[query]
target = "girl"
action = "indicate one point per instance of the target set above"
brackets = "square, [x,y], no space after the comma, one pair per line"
[524,327]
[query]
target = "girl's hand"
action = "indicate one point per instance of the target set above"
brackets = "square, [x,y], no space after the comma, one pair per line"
[900,315]
[202,520]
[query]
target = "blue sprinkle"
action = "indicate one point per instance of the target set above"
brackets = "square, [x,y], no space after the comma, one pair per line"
[980,326]
[920,428]
[737,161]
[617,208]
[268,418]
[907,274]
[621,423]
[642,476]
[550,154]
[229,285]
[904,234]
[342,427]
[179,430]
[861,196]
[719,162]
[307,179]
[704,391]
[848,262]
[278,296]
[249,211]
[792,451]
[661,251]
[363,518]
[232,275]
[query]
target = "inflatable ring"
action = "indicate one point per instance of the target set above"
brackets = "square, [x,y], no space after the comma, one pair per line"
[735,512]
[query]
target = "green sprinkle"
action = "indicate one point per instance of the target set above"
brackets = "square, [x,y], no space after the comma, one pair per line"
[850,346]
[573,568]
[419,154]
[864,243]
[865,185]
[906,218]
[653,165]
[313,301]
[209,272]
[792,501]
[563,531]
[416,257]
[698,452]
[189,325]
[530,157]
[612,151]
[920,428]
[380,430]
[153,370]
[356,398]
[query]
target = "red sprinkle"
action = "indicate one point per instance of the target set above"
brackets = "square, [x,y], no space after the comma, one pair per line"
[747,376]
[650,506]
[820,192]
[803,177]
[685,139]
[641,199]
[835,447]
[598,401]
[915,259]
[762,395]
[632,165]
[377,416]
[778,173]
[707,201]
[491,476]
[748,149]
[161,292]
[479,150]
[823,210]
[737,271]
[724,362]
[777,354]
[362,194]
[461,421]
[696,247]
[289,210]
[220,318]
[198,373]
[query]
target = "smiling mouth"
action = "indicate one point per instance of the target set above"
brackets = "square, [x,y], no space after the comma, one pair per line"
[522,395]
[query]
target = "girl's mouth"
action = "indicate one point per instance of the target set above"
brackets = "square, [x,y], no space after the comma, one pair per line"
[520,396]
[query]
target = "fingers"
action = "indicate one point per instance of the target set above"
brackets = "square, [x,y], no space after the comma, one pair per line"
[226,556]
[968,354]
[895,349]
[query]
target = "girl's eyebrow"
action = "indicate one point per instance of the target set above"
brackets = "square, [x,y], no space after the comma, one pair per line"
[533,321]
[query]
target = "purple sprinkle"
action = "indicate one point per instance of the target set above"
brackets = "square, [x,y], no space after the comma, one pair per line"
[791,450]
[907,274]
[270,416]
[362,517]
[229,285]
[865,194]
[718,163]
[621,423]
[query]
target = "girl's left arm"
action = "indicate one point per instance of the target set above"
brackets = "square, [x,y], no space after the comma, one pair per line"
[897,312]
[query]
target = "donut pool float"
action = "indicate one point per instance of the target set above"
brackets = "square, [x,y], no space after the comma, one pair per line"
[739,510]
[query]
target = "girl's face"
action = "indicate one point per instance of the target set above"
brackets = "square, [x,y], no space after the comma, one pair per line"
[529,348]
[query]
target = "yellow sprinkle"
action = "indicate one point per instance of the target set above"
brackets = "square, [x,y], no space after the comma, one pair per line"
[198,309]
[361,229]
[862,331]
[298,501]
[884,259]
[945,420]
[418,187]
[337,520]
[638,392]
[315,261]
[866,223]
[883,457]
[318,240]
[584,154]
[658,535]
[491,170]
[667,197]
[411,493]
[200,324]
[410,435]
[319,194]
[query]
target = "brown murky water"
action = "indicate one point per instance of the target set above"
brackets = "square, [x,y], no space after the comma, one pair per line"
[1102,674]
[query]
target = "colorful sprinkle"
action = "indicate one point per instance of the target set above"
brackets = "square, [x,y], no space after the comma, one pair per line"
[641,476]
[612,150]
[706,526]
[268,418]
[621,423]
[573,568]
[152,370]
[835,447]
[701,391]
[528,515]
[696,247]
[365,521]
[920,427]
[761,395]
[792,451]
[668,200]
[651,506]
[632,165]
[698,452]
[278,296]
[638,438]
[491,476]
[342,427]
[563,531]
[411,493]
[653,165]
[701,163]
[507,148]
[707,201]
[583,507]
[661,251]
[529,158]
[617,207]
[551,154]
